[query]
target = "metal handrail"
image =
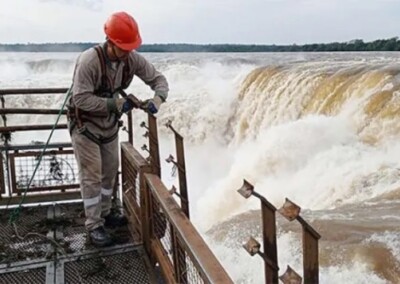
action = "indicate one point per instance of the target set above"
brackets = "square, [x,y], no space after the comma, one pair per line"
[193,244]
[36,91]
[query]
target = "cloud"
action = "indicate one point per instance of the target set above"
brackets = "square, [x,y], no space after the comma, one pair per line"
[96,5]
[203,21]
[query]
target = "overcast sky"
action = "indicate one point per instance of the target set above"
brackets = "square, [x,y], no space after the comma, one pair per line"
[203,21]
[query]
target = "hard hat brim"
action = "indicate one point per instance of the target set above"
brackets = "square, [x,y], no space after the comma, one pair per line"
[128,46]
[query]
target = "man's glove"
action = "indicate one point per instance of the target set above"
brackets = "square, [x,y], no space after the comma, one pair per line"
[126,104]
[152,105]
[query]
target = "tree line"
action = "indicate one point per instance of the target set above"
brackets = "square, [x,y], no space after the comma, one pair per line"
[391,44]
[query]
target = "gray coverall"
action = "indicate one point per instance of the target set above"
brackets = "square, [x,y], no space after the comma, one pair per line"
[98,164]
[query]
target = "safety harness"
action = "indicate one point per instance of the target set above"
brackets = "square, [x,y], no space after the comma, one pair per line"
[77,116]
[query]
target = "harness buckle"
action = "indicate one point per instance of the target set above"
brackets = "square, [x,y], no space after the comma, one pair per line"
[81,129]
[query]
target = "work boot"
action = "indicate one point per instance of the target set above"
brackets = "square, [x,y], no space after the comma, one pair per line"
[115,219]
[99,237]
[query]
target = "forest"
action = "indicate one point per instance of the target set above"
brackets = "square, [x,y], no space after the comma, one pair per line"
[391,44]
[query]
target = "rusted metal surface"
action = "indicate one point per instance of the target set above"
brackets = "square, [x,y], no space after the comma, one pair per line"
[165,264]
[310,253]
[270,246]
[33,91]
[30,111]
[133,166]
[32,127]
[180,156]
[133,156]
[129,176]
[130,127]
[270,254]
[290,277]
[291,211]
[153,145]
[186,258]
[204,260]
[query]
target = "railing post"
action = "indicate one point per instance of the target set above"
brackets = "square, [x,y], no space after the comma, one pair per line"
[310,253]
[291,211]
[269,241]
[180,164]
[145,212]
[130,128]
[153,145]
[270,254]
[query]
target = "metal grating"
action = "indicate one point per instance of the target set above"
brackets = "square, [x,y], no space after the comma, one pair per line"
[37,275]
[75,235]
[57,170]
[132,181]
[119,268]
[162,228]
[117,264]
[189,273]
[32,220]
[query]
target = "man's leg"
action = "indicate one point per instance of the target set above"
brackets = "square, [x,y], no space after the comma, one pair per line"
[88,156]
[110,157]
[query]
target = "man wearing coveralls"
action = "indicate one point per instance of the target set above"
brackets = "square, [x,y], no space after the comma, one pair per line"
[95,108]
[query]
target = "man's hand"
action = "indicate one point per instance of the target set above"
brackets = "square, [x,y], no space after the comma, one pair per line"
[152,105]
[127,104]
[134,100]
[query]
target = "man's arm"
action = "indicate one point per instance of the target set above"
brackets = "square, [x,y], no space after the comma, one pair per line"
[153,78]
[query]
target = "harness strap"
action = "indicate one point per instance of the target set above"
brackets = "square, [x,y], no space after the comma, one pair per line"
[97,140]
[105,80]
[105,86]
[77,116]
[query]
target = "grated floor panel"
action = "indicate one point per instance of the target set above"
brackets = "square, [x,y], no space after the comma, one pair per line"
[31,276]
[83,263]
[32,221]
[119,268]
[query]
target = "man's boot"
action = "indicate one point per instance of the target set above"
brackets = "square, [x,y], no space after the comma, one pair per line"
[115,219]
[99,237]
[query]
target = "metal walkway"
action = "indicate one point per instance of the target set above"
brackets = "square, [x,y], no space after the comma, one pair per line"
[48,245]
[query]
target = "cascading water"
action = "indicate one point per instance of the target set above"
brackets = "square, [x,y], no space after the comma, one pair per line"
[318,128]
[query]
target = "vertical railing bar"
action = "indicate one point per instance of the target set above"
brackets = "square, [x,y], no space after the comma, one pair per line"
[146,210]
[269,239]
[130,128]
[180,156]
[175,254]
[13,187]
[180,164]
[270,244]
[153,145]
[310,253]
[2,183]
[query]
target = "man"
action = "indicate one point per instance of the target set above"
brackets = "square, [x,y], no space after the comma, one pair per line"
[100,73]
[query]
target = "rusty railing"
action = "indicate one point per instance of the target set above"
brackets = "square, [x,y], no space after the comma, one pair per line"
[167,234]
[291,212]
[160,224]
[56,178]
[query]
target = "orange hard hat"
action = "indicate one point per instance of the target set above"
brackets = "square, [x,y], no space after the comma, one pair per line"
[122,30]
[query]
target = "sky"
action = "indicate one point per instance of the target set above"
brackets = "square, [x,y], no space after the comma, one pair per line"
[203,21]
